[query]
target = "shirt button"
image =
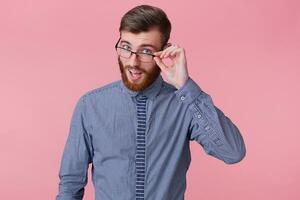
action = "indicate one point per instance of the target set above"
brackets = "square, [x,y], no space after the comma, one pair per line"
[182,98]
[207,128]
[199,116]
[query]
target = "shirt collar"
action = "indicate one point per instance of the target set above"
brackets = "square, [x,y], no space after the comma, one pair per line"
[150,92]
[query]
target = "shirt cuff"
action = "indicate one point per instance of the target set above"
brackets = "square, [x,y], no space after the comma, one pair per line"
[189,91]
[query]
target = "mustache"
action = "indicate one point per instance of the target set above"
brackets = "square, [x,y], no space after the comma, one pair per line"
[130,67]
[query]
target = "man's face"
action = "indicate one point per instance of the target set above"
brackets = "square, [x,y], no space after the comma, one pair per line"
[135,74]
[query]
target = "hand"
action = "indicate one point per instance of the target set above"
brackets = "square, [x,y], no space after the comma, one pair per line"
[177,73]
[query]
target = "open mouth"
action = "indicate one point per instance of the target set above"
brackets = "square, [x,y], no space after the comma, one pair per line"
[135,74]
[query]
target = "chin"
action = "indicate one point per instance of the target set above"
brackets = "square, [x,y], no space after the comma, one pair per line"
[146,79]
[136,85]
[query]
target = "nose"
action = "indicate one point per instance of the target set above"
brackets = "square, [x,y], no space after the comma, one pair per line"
[133,60]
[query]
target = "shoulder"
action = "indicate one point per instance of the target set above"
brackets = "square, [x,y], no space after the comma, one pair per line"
[107,89]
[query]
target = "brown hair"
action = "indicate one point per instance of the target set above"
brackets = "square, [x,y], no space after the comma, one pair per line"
[144,17]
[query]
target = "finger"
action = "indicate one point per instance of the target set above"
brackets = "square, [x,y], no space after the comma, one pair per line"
[176,51]
[163,52]
[160,64]
[173,53]
[158,53]
[166,51]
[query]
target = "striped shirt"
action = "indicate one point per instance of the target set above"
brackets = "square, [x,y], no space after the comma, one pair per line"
[137,143]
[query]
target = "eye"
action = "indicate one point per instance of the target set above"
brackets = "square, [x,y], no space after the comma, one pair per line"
[146,51]
[125,46]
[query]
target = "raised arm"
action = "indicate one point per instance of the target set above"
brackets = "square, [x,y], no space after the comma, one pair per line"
[210,127]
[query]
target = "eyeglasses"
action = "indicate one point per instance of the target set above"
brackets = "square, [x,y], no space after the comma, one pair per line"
[126,53]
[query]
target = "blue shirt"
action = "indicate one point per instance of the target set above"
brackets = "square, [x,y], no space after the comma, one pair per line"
[103,133]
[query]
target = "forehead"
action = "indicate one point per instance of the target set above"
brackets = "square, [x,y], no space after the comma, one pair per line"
[151,37]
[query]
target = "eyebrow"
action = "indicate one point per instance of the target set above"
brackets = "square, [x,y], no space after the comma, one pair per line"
[142,45]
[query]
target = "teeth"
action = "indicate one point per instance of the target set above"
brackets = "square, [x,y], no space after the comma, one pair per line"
[135,72]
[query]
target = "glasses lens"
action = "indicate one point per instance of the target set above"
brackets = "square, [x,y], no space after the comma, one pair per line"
[145,57]
[123,52]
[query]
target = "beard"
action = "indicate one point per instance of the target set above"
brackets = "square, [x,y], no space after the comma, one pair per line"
[148,77]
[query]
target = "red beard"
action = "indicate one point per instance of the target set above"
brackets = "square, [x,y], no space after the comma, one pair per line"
[148,79]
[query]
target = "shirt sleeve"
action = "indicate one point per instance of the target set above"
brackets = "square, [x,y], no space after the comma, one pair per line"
[76,157]
[214,131]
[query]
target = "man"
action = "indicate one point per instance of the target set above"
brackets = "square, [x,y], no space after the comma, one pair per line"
[136,131]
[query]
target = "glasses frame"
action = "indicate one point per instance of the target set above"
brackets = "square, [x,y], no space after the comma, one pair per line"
[132,52]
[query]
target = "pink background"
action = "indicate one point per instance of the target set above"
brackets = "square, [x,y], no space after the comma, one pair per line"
[245,54]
